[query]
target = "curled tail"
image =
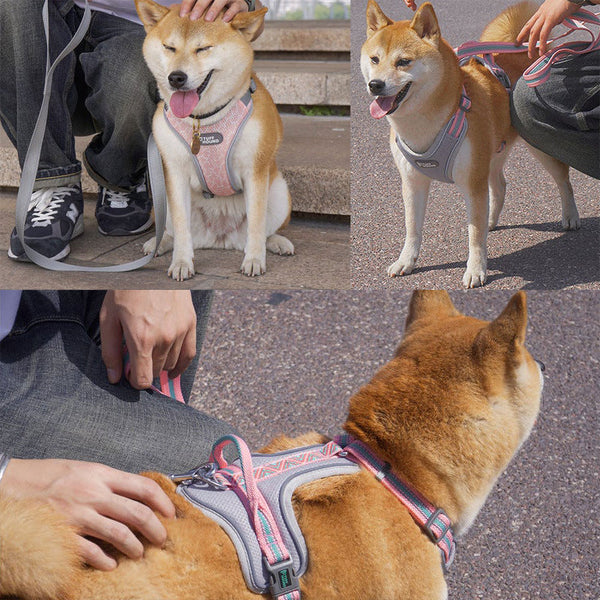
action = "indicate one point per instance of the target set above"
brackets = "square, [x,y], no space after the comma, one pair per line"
[505,28]
[38,552]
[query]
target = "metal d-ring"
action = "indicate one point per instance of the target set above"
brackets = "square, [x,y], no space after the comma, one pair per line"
[204,473]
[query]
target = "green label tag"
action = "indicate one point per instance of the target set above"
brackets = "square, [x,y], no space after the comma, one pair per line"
[284,578]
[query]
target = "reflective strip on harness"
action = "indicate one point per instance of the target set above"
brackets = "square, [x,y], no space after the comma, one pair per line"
[438,161]
[217,142]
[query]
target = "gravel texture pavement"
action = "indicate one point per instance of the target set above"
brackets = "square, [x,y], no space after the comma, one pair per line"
[277,362]
[528,250]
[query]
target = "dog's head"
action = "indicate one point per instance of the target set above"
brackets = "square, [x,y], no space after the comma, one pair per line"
[198,65]
[402,61]
[455,403]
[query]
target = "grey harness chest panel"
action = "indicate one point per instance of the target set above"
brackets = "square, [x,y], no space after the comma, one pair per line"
[226,508]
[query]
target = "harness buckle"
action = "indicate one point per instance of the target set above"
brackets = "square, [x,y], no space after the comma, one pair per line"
[204,473]
[282,577]
[444,528]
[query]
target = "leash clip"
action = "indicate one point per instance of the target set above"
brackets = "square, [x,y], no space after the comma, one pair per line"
[204,473]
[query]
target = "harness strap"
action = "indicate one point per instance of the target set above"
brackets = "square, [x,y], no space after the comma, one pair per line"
[32,160]
[277,559]
[434,521]
[539,71]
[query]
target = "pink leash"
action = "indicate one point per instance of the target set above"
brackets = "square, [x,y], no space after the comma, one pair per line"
[539,71]
[168,387]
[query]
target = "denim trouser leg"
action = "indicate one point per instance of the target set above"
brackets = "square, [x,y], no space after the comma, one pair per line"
[561,117]
[23,64]
[122,101]
[56,401]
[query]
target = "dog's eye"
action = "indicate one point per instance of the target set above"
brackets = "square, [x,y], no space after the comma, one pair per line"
[375,60]
[169,48]
[403,62]
[198,50]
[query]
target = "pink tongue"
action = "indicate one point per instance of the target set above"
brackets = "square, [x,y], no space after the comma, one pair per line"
[381,106]
[183,103]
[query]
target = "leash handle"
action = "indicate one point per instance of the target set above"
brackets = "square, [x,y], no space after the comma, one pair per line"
[32,160]
[539,71]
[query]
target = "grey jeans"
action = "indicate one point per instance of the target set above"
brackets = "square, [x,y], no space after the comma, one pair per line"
[104,87]
[561,116]
[56,402]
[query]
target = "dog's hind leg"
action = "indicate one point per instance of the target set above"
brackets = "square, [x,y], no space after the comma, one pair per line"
[166,245]
[560,173]
[497,188]
[278,215]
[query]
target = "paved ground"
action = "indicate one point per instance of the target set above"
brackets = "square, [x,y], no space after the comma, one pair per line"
[288,362]
[528,250]
[321,260]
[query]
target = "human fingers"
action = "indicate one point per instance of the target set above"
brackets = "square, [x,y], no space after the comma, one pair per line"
[534,36]
[187,5]
[524,33]
[235,8]
[186,354]
[141,351]
[214,9]
[94,556]
[544,35]
[111,334]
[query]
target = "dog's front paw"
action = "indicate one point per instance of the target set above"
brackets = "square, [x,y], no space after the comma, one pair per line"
[165,245]
[474,277]
[401,267]
[571,221]
[277,244]
[180,270]
[253,266]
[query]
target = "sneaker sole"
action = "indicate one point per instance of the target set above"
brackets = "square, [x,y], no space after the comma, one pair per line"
[77,231]
[123,232]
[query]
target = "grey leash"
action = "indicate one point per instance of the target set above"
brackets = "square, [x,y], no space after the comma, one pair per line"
[32,159]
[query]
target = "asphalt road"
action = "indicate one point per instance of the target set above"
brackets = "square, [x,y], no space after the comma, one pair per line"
[287,362]
[528,250]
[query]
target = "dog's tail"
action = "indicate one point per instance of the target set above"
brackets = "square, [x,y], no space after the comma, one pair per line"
[38,552]
[505,28]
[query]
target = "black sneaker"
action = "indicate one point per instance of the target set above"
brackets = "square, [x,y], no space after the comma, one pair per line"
[54,218]
[123,213]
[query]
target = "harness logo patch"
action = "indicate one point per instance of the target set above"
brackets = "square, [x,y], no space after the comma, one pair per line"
[284,578]
[428,164]
[211,139]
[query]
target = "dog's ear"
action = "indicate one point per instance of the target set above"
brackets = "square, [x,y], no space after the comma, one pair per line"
[150,12]
[249,23]
[376,19]
[507,332]
[426,25]
[431,304]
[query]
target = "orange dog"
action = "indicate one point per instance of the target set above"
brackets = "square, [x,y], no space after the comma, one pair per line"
[448,413]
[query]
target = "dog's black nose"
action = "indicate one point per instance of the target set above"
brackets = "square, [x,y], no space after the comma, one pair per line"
[376,86]
[177,79]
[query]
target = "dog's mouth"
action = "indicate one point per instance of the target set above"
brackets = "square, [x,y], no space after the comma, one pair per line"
[183,103]
[386,105]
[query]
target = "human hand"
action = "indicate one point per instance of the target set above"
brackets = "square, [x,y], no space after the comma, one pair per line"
[548,15]
[159,327]
[411,4]
[98,501]
[211,8]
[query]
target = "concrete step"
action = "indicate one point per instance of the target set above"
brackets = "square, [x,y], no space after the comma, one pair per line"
[314,158]
[306,82]
[304,36]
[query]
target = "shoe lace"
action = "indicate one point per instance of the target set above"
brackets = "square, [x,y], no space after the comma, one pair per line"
[45,204]
[120,199]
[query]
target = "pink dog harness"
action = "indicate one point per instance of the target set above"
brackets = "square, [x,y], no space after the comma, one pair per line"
[251,498]
[212,145]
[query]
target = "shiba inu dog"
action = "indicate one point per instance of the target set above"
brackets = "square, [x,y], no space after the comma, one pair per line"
[446,414]
[419,86]
[223,186]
